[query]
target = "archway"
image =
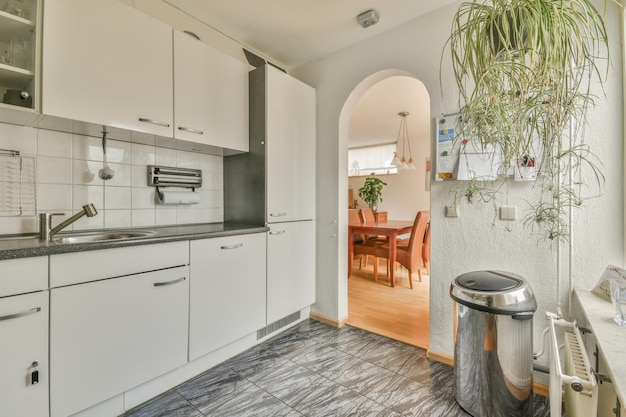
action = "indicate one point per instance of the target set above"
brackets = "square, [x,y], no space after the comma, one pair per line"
[407,191]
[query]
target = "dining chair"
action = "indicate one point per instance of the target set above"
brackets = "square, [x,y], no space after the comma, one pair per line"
[361,249]
[426,249]
[367,217]
[410,255]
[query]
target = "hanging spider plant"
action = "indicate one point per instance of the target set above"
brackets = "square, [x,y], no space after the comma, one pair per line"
[524,69]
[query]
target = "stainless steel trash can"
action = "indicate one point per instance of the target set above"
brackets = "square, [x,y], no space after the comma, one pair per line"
[493,350]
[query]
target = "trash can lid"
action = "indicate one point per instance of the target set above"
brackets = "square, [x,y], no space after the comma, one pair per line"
[494,292]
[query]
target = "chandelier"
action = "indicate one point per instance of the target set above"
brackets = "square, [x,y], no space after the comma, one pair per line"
[403,135]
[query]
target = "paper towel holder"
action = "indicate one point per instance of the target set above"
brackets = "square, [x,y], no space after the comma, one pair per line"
[161,176]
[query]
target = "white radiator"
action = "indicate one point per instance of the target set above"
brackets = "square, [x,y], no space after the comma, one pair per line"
[572,381]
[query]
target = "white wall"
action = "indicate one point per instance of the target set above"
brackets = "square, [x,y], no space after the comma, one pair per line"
[67,178]
[476,240]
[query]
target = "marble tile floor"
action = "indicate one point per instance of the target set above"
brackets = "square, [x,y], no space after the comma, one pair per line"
[316,370]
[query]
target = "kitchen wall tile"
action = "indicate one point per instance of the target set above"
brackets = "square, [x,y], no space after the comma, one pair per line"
[54,197]
[17,225]
[117,218]
[203,215]
[165,215]
[143,154]
[87,148]
[51,143]
[143,198]
[218,215]
[166,157]
[86,194]
[121,176]
[116,198]
[139,175]
[119,152]
[143,217]
[18,138]
[185,215]
[54,170]
[86,172]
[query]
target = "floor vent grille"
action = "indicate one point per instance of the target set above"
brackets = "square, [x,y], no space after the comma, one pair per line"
[271,328]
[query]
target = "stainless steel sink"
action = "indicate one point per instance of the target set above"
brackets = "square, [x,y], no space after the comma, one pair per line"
[84,237]
[8,238]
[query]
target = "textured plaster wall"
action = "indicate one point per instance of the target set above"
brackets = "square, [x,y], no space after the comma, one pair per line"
[477,239]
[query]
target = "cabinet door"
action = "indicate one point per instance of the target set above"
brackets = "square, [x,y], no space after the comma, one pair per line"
[24,335]
[211,95]
[290,268]
[228,286]
[107,63]
[109,336]
[290,148]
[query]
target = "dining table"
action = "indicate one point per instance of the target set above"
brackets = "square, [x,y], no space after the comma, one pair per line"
[391,229]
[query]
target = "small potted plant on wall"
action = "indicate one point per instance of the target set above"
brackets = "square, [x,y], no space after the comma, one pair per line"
[372,192]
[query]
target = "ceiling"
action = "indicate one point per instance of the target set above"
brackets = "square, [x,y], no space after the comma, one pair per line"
[294,32]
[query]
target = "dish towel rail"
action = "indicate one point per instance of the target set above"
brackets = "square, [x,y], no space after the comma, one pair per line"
[572,380]
[17,184]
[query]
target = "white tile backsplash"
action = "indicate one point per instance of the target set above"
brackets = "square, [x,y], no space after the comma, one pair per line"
[67,178]
[51,143]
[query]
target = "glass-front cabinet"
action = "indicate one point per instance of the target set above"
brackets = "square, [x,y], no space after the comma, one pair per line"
[19,23]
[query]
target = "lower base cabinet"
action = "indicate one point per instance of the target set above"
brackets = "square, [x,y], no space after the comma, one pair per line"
[24,343]
[290,268]
[112,335]
[227,297]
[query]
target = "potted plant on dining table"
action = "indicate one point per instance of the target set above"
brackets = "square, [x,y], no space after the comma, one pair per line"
[372,192]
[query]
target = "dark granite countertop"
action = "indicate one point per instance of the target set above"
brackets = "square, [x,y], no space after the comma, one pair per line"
[24,246]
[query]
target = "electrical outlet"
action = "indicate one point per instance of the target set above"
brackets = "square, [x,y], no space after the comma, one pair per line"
[452,211]
[508,213]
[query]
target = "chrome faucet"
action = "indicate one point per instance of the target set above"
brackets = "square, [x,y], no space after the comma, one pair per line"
[46,231]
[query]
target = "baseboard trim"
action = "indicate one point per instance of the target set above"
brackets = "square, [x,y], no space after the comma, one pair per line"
[538,388]
[440,357]
[328,320]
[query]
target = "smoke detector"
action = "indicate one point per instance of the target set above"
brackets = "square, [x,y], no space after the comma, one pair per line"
[368,18]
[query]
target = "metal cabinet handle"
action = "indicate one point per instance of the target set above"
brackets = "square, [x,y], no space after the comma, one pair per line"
[21,314]
[191,130]
[176,281]
[278,232]
[154,122]
[278,214]
[238,245]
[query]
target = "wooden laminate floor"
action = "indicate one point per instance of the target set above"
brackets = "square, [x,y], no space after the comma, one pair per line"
[398,313]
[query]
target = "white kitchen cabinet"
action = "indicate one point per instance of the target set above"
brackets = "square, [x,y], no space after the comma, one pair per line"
[111,335]
[107,63]
[19,59]
[210,95]
[227,296]
[290,143]
[24,336]
[290,268]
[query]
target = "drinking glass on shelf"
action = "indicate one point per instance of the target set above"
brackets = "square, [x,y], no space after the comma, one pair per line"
[15,7]
[17,53]
[618,298]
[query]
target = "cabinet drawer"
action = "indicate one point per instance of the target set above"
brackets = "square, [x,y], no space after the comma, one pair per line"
[74,268]
[19,276]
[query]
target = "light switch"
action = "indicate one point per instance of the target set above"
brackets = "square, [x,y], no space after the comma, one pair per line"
[508,213]
[452,211]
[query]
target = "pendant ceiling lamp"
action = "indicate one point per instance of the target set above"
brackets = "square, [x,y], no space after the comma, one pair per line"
[403,138]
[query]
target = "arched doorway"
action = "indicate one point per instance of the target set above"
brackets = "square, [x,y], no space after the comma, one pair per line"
[370,117]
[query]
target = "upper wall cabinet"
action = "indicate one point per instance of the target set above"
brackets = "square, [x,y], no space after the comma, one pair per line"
[107,63]
[290,138]
[210,95]
[18,51]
